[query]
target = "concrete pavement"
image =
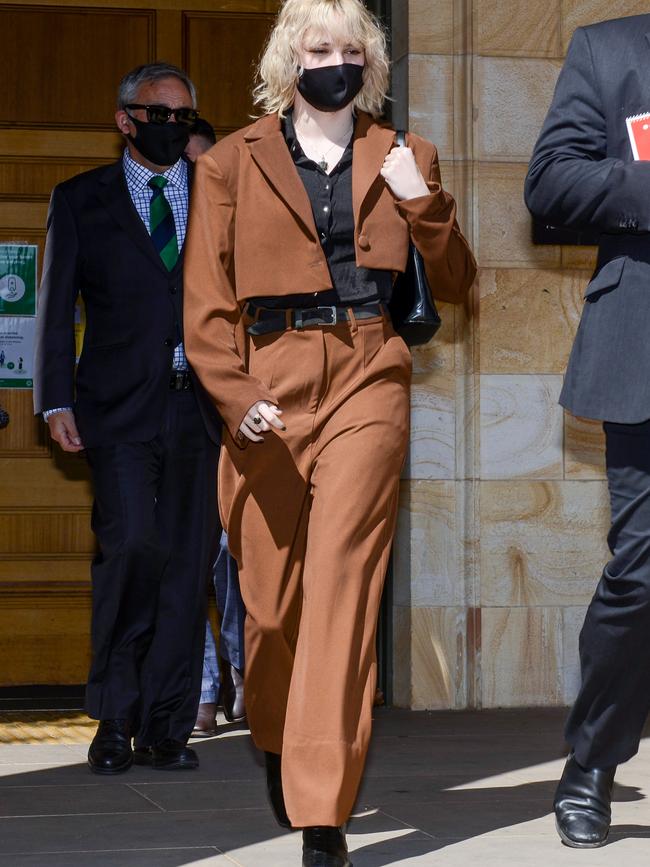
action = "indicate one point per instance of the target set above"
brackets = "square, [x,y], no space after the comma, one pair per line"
[447,789]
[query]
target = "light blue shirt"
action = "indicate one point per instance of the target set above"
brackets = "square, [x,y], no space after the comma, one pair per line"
[176,191]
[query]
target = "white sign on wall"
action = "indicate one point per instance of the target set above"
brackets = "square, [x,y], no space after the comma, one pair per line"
[17,351]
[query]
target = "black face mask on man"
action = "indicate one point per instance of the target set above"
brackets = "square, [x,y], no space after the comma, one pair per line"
[161,143]
[330,88]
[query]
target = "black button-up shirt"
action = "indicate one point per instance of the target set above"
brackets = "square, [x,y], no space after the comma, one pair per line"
[331,202]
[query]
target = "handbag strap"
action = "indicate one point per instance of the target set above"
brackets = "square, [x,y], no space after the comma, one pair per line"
[400,138]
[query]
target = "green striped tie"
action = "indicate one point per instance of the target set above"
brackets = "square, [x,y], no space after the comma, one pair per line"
[161,223]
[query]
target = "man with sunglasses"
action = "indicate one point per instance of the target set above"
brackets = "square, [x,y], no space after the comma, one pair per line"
[115,237]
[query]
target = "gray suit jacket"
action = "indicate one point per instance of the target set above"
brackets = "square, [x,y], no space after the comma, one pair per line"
[583,174]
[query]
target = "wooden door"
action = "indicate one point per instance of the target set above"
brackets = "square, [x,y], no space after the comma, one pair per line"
[61,66]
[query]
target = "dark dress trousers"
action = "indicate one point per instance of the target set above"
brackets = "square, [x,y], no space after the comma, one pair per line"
[583,174]
[152,452]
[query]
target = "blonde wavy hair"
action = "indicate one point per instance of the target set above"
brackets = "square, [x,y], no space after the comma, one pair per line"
[279,67]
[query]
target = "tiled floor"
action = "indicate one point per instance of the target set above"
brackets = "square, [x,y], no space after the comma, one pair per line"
[448,789]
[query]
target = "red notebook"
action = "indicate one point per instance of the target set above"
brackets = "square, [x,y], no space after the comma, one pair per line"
[638,129]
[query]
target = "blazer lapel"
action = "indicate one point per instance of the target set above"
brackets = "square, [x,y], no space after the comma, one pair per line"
[114,193]
[371,144]
[269,150]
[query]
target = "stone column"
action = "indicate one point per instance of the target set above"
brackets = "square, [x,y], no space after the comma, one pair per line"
[504,511]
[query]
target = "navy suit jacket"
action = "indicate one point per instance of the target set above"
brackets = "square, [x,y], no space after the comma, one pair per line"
[98,246]
[583,174]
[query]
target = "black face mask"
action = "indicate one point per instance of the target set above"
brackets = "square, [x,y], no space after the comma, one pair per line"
[160,143]
[330,88]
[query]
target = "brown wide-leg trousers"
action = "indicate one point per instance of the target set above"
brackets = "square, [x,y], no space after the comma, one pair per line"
[310,516]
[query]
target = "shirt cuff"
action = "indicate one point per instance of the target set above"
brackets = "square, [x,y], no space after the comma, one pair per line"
[48,412]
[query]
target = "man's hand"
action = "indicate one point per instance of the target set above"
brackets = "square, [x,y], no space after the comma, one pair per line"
[260,418]
[63,429]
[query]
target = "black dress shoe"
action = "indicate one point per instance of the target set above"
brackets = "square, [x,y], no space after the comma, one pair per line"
[110,751]
[274,788]
[324,847]
[142,755]
[168,755]
[583,805]
[232,694]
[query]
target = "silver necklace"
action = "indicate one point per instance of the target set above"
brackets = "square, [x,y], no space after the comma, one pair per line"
[322,163]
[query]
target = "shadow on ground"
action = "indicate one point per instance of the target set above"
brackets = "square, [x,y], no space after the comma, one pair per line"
[433,779]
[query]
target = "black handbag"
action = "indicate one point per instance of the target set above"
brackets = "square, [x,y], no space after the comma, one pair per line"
[412,308]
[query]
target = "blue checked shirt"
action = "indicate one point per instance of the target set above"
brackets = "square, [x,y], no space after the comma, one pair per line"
[176,193]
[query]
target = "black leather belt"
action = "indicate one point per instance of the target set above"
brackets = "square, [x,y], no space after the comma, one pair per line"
[267,320]
[180,380]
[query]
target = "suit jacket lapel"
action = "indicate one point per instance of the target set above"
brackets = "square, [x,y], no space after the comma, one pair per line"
[115,195]
[269,150]
[371,144]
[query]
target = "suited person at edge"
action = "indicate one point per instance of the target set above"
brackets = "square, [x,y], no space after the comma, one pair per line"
[115,236]
[583,174]
[298,224]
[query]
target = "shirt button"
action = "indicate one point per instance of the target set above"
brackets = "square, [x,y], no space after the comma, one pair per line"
[172,289]
[326,208]
[327,186]
[364,243]
[168,341]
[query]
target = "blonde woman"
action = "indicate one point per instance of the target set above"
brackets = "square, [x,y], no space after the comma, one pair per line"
[299,223]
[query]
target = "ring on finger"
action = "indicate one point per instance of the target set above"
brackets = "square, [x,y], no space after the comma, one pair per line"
[257,420]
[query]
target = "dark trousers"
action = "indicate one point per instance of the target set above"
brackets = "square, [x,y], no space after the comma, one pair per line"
[156,522]
[607,720]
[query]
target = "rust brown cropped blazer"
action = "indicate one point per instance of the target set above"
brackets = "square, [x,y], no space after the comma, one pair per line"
[252,233]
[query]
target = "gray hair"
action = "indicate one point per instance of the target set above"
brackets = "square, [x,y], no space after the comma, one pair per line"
[147,73]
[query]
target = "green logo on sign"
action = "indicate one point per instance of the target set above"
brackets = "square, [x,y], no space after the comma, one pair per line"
[18,279]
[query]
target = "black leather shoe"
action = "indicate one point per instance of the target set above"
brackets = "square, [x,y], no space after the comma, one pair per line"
[142,755]
[110,751]
[324,847]
[168,755]
[583,805]
[232,694]
[274,788]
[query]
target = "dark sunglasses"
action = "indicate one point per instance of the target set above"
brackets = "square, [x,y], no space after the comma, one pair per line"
[161,113]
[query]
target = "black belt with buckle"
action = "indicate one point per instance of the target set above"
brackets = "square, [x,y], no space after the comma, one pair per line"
[267,321]
[180,380]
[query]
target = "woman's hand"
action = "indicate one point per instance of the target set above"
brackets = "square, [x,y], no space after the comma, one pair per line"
[261,417]
[401,173]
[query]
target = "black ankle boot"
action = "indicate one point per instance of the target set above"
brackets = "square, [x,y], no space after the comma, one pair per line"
[324,847]
[583,805]
[274,788]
